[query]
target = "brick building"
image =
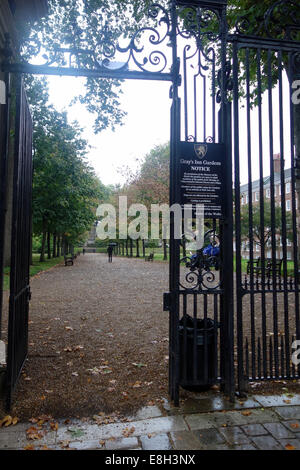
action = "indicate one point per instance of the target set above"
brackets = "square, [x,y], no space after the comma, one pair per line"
[278,200]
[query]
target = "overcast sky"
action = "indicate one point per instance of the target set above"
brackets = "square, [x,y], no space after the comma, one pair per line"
[146,125]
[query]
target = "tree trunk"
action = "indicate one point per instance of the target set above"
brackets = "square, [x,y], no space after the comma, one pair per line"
[63,246]
[54,245]
[131,247]
[126,246]
[58,246]
[49,244]
[42,257]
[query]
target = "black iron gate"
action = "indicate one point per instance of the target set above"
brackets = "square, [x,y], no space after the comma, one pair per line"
[20,244]
[266,63]
[201,295]
[216,298]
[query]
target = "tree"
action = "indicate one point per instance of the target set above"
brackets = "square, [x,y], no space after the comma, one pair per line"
[263,237]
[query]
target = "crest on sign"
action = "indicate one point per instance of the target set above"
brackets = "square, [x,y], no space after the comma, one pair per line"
[200,150]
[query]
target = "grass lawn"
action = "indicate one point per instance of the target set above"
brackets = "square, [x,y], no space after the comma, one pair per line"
[36,268]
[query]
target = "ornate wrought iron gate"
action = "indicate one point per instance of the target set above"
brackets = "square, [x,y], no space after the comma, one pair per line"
[20,244]
[213,71]
[266,210]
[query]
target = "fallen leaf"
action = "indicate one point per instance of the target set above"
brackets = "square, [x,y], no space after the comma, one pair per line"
[139,364]
[294,425]
[29,447]
[6,421]
[290,447]
[54,426]
[246,413]
[287,401]
[128,431]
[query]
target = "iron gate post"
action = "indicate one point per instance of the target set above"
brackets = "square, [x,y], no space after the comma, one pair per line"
[4,140]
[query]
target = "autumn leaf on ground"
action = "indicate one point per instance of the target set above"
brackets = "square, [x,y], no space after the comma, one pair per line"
[68,349]
[137,384]
[287,401]
[29,447]
[33,433]
[54,426]
[290,447]
[139,364]
[64,444]
[294,425]
[246,413]
[6,421]
[128,431]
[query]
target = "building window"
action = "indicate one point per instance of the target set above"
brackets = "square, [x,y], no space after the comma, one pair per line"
[256,196]
[288,188]
[288,205]
[268,193]
[289,255]
[288,242]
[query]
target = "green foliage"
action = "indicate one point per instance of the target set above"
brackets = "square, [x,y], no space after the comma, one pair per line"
[66,191]
[262,237]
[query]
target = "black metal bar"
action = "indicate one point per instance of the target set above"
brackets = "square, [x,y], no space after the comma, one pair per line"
[73,72]
[262,208]
[273,215]
[4,139]
[283,214]
[294,207]
[250,212]
[239,304]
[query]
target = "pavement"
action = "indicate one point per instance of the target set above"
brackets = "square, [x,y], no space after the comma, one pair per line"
[259,422]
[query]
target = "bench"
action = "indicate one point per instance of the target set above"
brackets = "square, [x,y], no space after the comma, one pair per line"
[257,267]
[149,257]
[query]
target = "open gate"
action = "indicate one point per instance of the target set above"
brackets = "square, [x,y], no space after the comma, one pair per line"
[20,244]
[266,191]
[216,303]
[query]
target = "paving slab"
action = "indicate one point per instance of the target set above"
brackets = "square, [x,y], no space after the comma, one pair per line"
[206,405]
[156,442]
[266,443]
[288,412]
[285,399]
[292,425]
[288,443]
[185,440]
[254,429]
[278,430]
[234,435]
[116,430]
[209,438]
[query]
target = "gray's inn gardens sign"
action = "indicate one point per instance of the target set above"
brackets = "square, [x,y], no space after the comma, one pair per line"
[202,177]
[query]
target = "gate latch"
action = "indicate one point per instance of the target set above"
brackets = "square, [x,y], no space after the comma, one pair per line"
[167,301]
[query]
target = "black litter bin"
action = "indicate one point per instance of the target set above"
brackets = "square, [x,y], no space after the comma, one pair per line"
[192,357]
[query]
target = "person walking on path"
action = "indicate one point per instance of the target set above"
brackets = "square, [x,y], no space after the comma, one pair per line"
[110,252]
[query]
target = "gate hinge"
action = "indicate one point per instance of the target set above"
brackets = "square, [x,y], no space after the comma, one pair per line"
[167,301]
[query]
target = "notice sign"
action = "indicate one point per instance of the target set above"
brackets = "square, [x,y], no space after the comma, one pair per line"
[202,177]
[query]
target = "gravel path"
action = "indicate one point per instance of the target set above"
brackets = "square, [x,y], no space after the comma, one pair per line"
[98,339]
